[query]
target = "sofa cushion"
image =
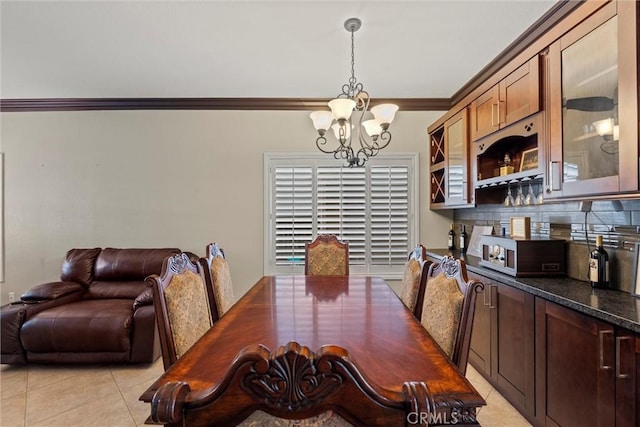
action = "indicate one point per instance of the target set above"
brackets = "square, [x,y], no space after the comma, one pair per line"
[101,325]
[130,264]
[78,265]
[129,289]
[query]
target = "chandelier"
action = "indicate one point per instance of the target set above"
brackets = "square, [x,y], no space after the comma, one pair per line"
[354,99]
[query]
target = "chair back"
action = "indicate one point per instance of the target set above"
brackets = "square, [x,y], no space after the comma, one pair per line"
[326,256]
[182,304]
[218,278]
[449,307]
[414,280]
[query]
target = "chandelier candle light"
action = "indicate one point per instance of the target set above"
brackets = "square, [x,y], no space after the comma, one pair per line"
[339,119]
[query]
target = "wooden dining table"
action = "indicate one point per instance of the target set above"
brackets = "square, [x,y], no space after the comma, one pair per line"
[298,346]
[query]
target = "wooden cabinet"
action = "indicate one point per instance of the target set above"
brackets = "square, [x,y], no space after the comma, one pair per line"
[502,342]
[449,166]
[515,97]
[480,348]
[586,370]
[592,87]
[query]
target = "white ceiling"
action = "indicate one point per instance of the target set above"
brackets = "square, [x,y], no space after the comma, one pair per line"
[275,49]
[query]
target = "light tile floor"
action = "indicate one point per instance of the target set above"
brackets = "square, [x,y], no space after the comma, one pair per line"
[65,396]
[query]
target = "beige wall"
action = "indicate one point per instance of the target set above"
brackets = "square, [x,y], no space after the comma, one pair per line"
[157,178]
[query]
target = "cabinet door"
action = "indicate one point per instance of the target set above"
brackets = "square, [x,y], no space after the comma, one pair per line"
[457,160]
[627,359]
[520,93]
[484,114]
[594,105]
[574,368]
[512,355]
[514,98]
[480,349]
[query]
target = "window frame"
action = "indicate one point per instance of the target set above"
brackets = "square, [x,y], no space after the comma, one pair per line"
[273,160]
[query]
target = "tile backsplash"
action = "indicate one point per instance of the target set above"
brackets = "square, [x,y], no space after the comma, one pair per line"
[617,221]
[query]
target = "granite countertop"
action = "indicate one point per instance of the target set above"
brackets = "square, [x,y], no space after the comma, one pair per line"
[613,306]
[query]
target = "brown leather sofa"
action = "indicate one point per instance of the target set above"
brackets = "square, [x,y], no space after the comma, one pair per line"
[99,312]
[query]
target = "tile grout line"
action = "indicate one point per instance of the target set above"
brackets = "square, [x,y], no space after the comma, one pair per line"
[133,418]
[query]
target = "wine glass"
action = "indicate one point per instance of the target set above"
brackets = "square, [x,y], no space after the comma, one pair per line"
[540,197]
[529,200]
[508,200]
[519,201]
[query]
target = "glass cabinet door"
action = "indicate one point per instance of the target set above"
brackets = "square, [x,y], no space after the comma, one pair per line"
[457,142]
[590,129]
[594,105]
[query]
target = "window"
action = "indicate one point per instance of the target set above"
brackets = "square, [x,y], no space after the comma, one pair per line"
[372,207]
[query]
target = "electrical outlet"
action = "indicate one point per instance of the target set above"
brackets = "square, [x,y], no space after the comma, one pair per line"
[12,296]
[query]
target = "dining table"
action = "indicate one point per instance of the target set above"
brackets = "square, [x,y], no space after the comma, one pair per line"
[296,346]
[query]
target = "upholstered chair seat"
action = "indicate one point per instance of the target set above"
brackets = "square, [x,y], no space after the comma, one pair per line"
[182,303]
[326,256]
[326,419]
[448,308]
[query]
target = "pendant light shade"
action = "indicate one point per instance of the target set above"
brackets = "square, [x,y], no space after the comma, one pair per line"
[341,108]
[321,120]
[372,127]
[384,113]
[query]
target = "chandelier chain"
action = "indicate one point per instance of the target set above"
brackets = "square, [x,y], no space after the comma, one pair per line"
[352,81]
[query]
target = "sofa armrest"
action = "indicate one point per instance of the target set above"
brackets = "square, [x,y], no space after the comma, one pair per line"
[145,298]
[51,291]
[11,319]
[145,342]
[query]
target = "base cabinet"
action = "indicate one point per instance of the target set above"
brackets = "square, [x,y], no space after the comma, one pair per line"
[586,370]
[558,367]
[502,342]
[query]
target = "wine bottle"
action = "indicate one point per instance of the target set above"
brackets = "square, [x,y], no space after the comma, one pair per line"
[452,239]
[463,239]
[599,266]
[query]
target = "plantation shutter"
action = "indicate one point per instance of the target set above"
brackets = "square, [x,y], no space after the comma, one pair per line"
[341,207]
[370,207]
[293,216]
[389,215]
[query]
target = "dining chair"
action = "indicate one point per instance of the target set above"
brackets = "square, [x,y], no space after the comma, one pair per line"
[449,306]
[218,279]
[414,280]
[326,256]
[183,306]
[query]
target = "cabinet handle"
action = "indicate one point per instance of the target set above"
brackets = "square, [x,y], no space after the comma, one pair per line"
[493,122]
[487,289]
[499,121]
[618,373]
[491,288]
[601,349]
[555,172]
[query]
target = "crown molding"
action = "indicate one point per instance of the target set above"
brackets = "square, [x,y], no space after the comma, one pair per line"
[299,104]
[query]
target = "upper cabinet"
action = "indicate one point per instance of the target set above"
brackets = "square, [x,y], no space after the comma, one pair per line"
[515,97]
[449,167]
[559,120]
[593,105]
